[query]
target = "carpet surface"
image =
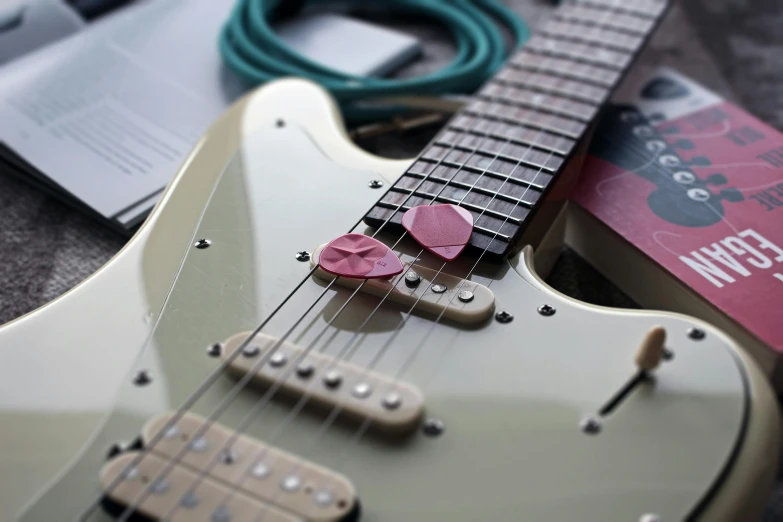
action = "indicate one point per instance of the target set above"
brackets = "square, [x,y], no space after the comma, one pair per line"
[734,47]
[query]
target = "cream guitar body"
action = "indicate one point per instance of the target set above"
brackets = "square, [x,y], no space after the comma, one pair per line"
[516,420]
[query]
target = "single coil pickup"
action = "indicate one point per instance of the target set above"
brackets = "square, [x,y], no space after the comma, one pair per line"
[393,407]
[242,479]
[439,295]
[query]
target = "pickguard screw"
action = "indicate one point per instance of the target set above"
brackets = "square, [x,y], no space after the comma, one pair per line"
[375,184]
[280,124]
[546,310]
[697,334]
[650,517]
[201,244]
[433,427]
[668,355]
[142,378]
[412,278]
[504,317]
[590,426]
[215,350]
[303,256]
[465,296]
[439,288]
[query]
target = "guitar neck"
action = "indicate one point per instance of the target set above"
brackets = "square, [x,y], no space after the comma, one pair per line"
[501,153]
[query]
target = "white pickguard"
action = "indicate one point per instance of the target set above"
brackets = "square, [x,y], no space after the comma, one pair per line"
[512,395]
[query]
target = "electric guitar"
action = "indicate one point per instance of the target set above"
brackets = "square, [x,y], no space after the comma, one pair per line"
[303,331]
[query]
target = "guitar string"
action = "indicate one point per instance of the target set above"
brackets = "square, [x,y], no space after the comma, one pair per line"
[252,415]
[406,365]
[434,199]
[530,149]
[220,370]
[345,353]
[337,409]
[215,374]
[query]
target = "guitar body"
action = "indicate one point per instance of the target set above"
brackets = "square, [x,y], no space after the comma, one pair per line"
[277,175]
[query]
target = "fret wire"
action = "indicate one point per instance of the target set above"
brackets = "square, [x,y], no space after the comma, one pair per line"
[457,157]
[510,95]
[579,52]
[597,17]
[472,124]
[640,8]
[465,204]
[572,30]
[542,82]
[526,61]
[474,108]
[504,155]
[491,173]
[485,230]
[476,188]
[554,86]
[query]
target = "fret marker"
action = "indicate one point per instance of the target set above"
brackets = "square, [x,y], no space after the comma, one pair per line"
[359,257]
[444,230]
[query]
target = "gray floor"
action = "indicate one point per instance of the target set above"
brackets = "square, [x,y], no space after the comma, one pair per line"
[733,46]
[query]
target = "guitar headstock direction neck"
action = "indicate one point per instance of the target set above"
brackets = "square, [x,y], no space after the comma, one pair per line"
[501,154]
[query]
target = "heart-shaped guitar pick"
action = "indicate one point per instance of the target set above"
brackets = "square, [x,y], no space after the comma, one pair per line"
[360,257]
[444,230]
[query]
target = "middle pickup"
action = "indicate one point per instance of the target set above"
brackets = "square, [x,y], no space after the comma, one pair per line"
[392,406]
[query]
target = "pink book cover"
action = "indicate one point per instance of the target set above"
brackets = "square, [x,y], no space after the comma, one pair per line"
[695,183]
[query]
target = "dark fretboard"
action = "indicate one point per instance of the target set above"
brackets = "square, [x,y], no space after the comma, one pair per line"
[498,156]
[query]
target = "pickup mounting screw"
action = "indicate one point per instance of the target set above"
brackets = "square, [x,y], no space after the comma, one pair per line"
[215,350]
[277,360]
[392,401]
[228,456]
[305,370]
[362,390]
[280,124]
[650,517]
[590,426]
[375,184]
[303,256]
[504,317]
[697,334]
[203,243]
[546,310]
[465,296]
[251,350]
[333,379]
[433,427]
[142,378]
[412,278]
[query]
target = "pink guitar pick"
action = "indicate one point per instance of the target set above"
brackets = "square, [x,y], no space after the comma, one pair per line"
[360,257]
[444,230]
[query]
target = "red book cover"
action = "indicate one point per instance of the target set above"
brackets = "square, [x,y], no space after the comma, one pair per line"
[696,184]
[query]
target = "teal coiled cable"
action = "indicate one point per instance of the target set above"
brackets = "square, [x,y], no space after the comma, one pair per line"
[250,47]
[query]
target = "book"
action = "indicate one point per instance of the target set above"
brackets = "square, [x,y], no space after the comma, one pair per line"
[680,204]
[104,118]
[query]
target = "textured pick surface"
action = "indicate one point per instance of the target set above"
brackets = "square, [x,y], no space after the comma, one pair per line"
[360,257]
[444,230]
